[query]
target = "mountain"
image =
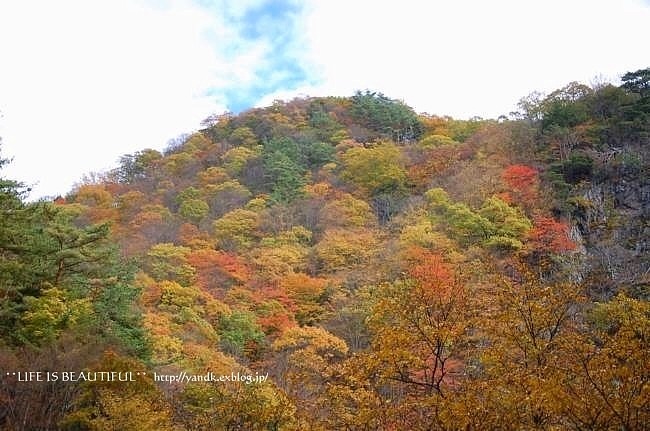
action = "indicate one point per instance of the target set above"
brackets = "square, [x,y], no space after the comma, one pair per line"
[337,263]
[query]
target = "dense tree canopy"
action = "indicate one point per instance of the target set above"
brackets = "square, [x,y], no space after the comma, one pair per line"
[386,270]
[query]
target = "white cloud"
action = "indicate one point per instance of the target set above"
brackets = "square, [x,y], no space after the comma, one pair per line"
[82,83]
[467,58]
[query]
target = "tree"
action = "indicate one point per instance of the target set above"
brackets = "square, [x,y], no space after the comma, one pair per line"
[637,82]
[340,249]
[218,270]
[523,181]
[309,295]
[390,118]
[62,285]
[117,314]
[43,252]
[149,226]
[607,384]
[226,196]
[419,326]
[531,107]
[167,261]
[551,236]
[566,107]
[496,224]
[284,171]
[636,114]
[236,229]
[115,405]
[234,406]
[235,159]
[212,175]
[243,136]
[240,334]
[346,211]
[511,225]
[45,317]
[524,358]
[376,169]
[305,362]
[135,167]
[194,210]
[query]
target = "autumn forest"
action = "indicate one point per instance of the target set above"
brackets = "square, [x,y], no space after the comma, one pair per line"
[382,269]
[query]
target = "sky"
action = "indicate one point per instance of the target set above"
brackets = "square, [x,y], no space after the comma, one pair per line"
[83,82]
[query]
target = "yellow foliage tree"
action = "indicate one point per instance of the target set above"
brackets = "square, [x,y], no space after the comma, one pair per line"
[341,249]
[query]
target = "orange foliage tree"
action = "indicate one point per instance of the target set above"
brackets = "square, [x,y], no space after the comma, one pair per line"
[523,183]
[217,270]
[549,235]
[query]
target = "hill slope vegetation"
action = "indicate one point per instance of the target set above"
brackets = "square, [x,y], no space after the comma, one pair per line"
[386,270]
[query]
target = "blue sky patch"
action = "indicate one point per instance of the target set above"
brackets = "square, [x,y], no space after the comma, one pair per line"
[273,23]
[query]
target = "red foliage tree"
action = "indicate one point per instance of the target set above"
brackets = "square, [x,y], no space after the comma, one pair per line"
[523,182]
[549,235]
[218,269]
[432,273]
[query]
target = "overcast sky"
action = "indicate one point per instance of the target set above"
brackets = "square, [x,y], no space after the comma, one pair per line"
[83,82]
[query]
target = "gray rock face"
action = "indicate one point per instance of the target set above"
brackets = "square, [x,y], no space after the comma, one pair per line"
[611,222]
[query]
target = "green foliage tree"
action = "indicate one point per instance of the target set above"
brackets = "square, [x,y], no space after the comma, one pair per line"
[636,115]
[116,311]
[134,167]
[323,120]
[56,275]
[284,172]
[239,332]
[510,222]
[496,224]
[43,250]
[577,168]
[390,118]
[317,154]
[194,210]
[637,82]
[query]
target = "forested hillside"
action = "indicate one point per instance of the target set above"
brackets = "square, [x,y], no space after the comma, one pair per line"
[388,270]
